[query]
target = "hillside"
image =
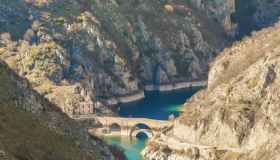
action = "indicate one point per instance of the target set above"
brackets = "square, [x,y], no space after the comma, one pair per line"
[95,50]
[22,137]
[33,128]
[237,116]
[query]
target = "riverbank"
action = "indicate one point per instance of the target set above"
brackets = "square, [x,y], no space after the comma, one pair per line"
[175,86]
[149,88]
[125,99]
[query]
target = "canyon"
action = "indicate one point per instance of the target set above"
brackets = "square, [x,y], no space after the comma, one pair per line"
[69,58]
[103,50]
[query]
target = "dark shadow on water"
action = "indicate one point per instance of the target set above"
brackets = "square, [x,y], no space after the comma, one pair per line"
[142,136]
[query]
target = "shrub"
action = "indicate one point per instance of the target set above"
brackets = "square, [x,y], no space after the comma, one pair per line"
[166,150]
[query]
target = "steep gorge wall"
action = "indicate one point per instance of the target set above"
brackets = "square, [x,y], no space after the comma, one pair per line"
[237,116]
[80,53]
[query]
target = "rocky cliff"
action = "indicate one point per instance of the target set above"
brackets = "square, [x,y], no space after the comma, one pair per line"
[239,17]
[237,116]
[80,53]
[33,128]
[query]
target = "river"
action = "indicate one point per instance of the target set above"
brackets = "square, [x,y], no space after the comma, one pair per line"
[155,106]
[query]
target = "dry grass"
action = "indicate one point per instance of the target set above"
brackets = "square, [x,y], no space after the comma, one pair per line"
[24,137]
[231,156]
[252,83]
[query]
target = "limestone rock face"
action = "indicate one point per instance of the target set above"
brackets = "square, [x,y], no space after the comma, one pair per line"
[237,116]
[97,50]
[81,53]
[221,11]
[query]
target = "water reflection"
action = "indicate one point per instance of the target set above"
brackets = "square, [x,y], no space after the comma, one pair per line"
[132,146]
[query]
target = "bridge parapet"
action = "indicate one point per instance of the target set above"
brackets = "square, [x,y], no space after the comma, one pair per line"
[131,122]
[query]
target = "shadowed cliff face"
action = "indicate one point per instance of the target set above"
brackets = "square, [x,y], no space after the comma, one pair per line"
[253,15]
[239,18]
[244,17]
[33,128]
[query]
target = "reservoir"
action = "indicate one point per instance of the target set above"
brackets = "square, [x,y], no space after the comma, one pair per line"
[155,105]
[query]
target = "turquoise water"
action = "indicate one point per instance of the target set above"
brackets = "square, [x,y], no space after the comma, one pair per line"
[155,106]
[132,147]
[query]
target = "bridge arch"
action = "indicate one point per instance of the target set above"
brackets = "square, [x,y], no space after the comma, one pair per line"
[143,134]
[141,128]
[115,127]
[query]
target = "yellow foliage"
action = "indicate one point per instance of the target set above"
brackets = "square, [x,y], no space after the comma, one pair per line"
[231,156]
[168,8]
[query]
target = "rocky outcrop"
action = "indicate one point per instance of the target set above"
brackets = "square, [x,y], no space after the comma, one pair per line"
[79,54]
[33,128]
[221,11]
[237,116]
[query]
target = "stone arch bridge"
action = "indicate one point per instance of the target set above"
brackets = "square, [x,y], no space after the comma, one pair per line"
[120,126]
